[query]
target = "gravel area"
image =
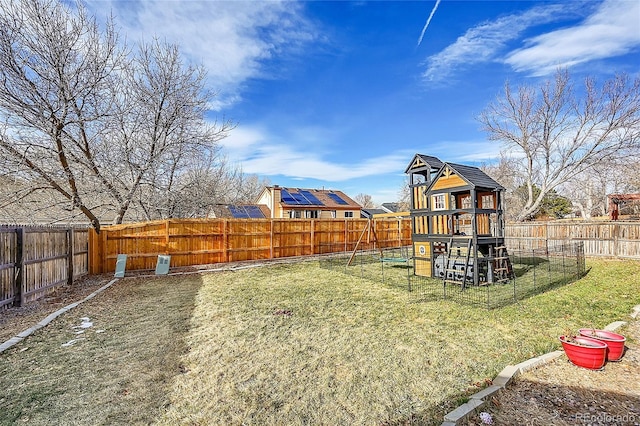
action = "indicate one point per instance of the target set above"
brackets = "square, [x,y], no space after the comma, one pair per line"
[560,393]
[15,320]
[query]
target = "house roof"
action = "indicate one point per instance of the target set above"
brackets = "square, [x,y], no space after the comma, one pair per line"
[391,207]
[368,213]
[241,211]
[293,198]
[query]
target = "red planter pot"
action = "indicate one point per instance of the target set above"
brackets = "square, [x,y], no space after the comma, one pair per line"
[614,341]
[585,351]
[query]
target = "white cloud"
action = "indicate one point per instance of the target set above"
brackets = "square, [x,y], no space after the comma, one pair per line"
[613,30]
[483,42]
[232,39]
[464,151]
[299,157]
[263,154]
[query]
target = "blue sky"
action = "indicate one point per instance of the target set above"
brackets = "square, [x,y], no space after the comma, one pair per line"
[341,94]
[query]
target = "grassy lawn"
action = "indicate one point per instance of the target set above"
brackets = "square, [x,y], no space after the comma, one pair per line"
[288,344]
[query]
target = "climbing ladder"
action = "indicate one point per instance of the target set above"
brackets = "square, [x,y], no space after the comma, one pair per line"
[457,250]
[502,268]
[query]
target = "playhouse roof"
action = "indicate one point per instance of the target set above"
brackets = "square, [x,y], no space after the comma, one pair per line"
[421,161]
[472,177]
[475,176]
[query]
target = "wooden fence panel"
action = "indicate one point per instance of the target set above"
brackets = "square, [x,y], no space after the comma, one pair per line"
[36,260]
[627,244]
[601,239]
[8,269]
[393,232]
[45,258]
[328,235]
[196,242]
[80,252]
[292,237]
[200,241]
[248,239]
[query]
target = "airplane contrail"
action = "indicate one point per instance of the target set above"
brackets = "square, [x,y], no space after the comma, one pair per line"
[428,21]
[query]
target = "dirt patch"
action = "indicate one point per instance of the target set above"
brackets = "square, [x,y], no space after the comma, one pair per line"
[17,319]
[560,393]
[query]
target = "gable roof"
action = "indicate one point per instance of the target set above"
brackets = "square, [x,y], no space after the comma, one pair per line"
[473,176]
[422,162]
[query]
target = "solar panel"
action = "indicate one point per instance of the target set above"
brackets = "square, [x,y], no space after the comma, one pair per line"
[238,212]
[311,198]
[287,198]
[254,212]
[337,199]
[299,198]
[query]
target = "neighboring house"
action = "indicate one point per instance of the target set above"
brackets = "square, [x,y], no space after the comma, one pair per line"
[240,211]
[391,207]
[298,203]
[368,213]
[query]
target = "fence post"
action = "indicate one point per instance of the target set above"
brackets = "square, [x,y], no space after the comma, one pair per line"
[346,234]
[225,240]
[533,259]
[616,246]
[271,252]
[313,236]
[95,251]
[70,251]
[546,238]
[166,237]
[18,283]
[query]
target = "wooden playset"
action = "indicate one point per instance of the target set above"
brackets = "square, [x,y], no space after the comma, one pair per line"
[457,218]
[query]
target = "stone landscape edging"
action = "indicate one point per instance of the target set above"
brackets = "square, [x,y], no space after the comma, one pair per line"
[47,320]
[480,399]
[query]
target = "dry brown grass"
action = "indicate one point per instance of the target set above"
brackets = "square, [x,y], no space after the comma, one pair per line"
[292,344]
[118,372]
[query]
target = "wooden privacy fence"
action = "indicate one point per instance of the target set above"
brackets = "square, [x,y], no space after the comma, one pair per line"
[601,239]
[207,241]
[35,260]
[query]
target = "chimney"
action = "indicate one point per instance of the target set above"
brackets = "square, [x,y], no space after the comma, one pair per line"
[276,197]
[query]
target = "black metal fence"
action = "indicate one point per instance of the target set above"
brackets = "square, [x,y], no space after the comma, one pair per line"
[535,271]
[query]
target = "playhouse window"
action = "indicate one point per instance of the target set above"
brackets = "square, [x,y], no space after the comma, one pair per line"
[487,201]
[465,202]
[439,202]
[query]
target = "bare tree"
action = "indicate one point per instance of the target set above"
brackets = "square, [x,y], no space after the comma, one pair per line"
[507,172]
[159,129]
[56,79]
[207,182]
[364,200]
[404,195]
[558,133]
[588,190]
[81,117]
